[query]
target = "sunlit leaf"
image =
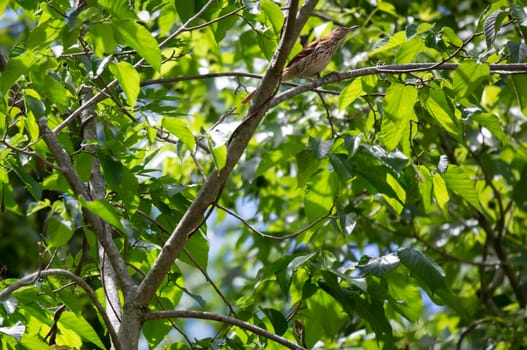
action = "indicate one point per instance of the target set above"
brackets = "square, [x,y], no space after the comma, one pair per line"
[469,76]
[59,232]
[440,191]
[15,68]
[409,50]
[460,184]
[350,93]
[179,128]
[139,38]
[198,247]
[81,327]
[381,265]
[102,36]
[118,8]
[441,109]
[128,79]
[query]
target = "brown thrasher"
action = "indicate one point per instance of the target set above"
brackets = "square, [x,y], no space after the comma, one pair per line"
[313,58]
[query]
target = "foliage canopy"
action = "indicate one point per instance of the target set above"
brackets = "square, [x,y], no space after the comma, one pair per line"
[384,206]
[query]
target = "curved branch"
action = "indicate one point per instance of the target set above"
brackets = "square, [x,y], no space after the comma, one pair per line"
[211,189]
[155,315]
[27,280]
[76,184]
[277,238]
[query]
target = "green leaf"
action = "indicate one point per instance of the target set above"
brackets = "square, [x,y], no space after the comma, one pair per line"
[307,163]
[409,50]
[430,276]
[120,179]
[198,247]
[102,36]
[398,107]
[469,76]
[272,14]
[320,196]
[105,211]
[404,296]
[342,166]
[440,108]
[379,266]
[350,93]
[219,155]
[449,35]
[59,232]
[319,147]
[323,318]
[34,187]
[370,309]
[128,79]
[440,191]
[118,8]
[492,25]
[83,165]
[46,83]
[139,38]
[178,127]
[80,326]
[519,84]
[45,33]
[15,68]
[387,44]
[185,9]
[397,202]
[278,320]
[36,206]
[347,222]
[461,185]
[425,186]
[399,102]
[424,269]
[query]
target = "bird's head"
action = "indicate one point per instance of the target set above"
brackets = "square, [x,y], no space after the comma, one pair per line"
[340,32]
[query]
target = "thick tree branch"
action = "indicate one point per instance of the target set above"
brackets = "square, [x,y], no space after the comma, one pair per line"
[76,184]
[29,279]
[212,187]
[517,68]
[98,191]
[155,315]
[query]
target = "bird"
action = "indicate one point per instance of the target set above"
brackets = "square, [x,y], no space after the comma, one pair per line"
[313,58]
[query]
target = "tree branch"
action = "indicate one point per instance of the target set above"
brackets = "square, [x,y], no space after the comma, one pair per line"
[29,279]
[76,184]
[98,191]
[274,237]
[211,189]
[155,315]
[390,69]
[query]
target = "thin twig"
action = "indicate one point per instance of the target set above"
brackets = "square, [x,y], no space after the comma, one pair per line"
[277,238]
[206,24]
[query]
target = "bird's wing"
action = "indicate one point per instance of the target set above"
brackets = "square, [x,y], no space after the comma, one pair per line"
[306,51]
